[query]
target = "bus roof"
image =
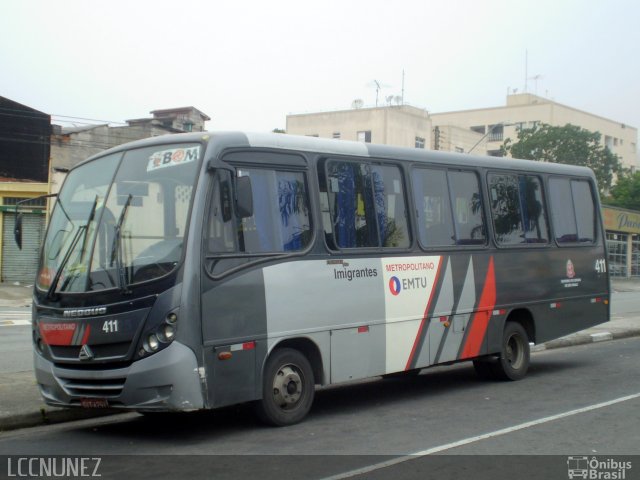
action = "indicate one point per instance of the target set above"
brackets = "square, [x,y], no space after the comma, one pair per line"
[279,141]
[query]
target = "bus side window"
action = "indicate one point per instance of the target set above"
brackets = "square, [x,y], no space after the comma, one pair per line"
[433,207]
[351,206]
[585,211]
[504,192]
[573,210]
[366,205]
[467,204]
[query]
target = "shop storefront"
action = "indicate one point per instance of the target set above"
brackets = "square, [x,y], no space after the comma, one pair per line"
[623,241]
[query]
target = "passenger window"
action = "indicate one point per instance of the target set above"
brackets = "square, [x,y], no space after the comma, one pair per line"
[585,211]
[433,207]
[390,208]
[534,210]
[517,209]
[363,205]
[505,208]
[467,208]
[573,210]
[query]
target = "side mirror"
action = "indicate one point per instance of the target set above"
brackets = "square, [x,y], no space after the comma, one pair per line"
[244,197]
[17,231]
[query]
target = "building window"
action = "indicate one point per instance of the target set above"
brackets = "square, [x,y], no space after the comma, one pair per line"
[364,136]
[419,142]
[496,133]
[336,135]
[617,249]
[479,129]
[36,202]
[459,150]
[313,135]
[494,153]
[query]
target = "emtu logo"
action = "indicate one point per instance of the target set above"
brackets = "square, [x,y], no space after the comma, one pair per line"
[395,286]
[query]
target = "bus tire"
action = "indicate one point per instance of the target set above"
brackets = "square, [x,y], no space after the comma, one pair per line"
[513,362]
[288,388]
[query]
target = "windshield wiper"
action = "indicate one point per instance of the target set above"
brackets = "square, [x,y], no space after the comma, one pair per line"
[82,229]
[116,247]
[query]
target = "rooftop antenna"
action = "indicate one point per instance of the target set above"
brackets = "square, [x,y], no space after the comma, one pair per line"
[402,96]
[378,86]
[535,79]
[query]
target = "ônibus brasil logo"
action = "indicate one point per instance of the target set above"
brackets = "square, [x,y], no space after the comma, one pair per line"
[395,286]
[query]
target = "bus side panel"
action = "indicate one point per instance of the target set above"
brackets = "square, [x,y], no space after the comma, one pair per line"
[338,296]
[234,322]
[560,287]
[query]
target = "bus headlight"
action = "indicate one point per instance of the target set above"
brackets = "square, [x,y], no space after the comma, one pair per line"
[166,333]
[152,343]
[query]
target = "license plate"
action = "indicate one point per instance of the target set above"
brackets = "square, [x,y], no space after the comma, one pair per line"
[94,403]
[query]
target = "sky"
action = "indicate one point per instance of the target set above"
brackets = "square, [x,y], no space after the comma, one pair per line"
[247,64]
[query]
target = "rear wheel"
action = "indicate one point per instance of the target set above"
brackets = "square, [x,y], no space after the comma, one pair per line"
[513,361]
[288,388]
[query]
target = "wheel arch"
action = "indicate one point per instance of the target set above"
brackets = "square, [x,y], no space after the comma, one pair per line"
[309,349]
[524,317]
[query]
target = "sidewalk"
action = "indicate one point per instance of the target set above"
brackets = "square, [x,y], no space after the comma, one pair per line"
[21,405]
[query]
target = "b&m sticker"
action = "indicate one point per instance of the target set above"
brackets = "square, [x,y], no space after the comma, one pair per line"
[172,157]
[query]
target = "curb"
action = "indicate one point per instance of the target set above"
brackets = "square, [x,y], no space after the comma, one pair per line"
[585,338]
[49,417]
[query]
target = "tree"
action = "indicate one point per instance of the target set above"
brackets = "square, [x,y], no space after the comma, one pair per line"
[571,145]
[626,192]
[278,130]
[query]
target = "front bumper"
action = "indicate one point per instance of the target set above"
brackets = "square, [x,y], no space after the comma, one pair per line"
[167,380]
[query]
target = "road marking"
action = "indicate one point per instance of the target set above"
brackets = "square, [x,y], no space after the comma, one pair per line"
[485,436]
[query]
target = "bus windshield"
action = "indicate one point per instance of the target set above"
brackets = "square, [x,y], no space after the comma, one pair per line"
[120,220]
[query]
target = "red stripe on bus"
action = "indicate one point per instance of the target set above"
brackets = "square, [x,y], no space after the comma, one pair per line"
[424,317]
[85,337]
[57,333]
[481,318]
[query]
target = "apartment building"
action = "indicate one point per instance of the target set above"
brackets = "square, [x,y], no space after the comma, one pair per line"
[524,110]
[400,125]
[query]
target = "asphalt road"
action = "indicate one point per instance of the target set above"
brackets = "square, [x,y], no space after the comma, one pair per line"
[581,400]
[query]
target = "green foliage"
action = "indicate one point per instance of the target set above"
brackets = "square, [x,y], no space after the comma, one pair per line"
[278,130]
[626,192]
[571,145]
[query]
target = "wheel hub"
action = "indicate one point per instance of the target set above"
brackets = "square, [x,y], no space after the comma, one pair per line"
[287,386]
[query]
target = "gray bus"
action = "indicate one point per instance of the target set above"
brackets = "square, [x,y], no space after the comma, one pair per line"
[197,271]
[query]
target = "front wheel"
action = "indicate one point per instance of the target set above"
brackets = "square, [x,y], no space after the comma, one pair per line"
[288,388]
